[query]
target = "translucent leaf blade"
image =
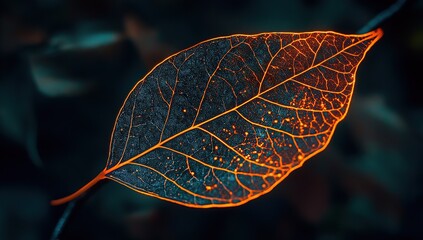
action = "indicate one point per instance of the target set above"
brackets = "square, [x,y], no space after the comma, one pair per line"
[226,120]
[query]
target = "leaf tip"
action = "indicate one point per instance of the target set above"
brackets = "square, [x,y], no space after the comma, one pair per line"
[373,36]
[376,34]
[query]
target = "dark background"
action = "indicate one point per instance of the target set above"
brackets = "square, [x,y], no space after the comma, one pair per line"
[66,67]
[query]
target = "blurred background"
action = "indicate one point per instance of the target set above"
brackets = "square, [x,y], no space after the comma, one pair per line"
[66,67]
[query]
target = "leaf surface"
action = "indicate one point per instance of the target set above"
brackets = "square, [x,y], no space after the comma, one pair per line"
[225,121]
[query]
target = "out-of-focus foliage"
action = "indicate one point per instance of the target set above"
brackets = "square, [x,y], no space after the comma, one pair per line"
[66,67]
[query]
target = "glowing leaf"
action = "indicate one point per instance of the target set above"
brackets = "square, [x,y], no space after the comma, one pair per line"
[226,120]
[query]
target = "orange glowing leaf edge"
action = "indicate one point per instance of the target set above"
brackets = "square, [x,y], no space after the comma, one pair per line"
[373,37]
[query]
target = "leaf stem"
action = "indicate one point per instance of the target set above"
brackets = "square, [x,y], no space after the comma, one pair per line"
[81,191]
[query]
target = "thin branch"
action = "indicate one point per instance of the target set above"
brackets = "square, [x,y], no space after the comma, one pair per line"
[63,219]
[385,14]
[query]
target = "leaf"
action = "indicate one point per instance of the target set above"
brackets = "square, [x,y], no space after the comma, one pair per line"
[225,121]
